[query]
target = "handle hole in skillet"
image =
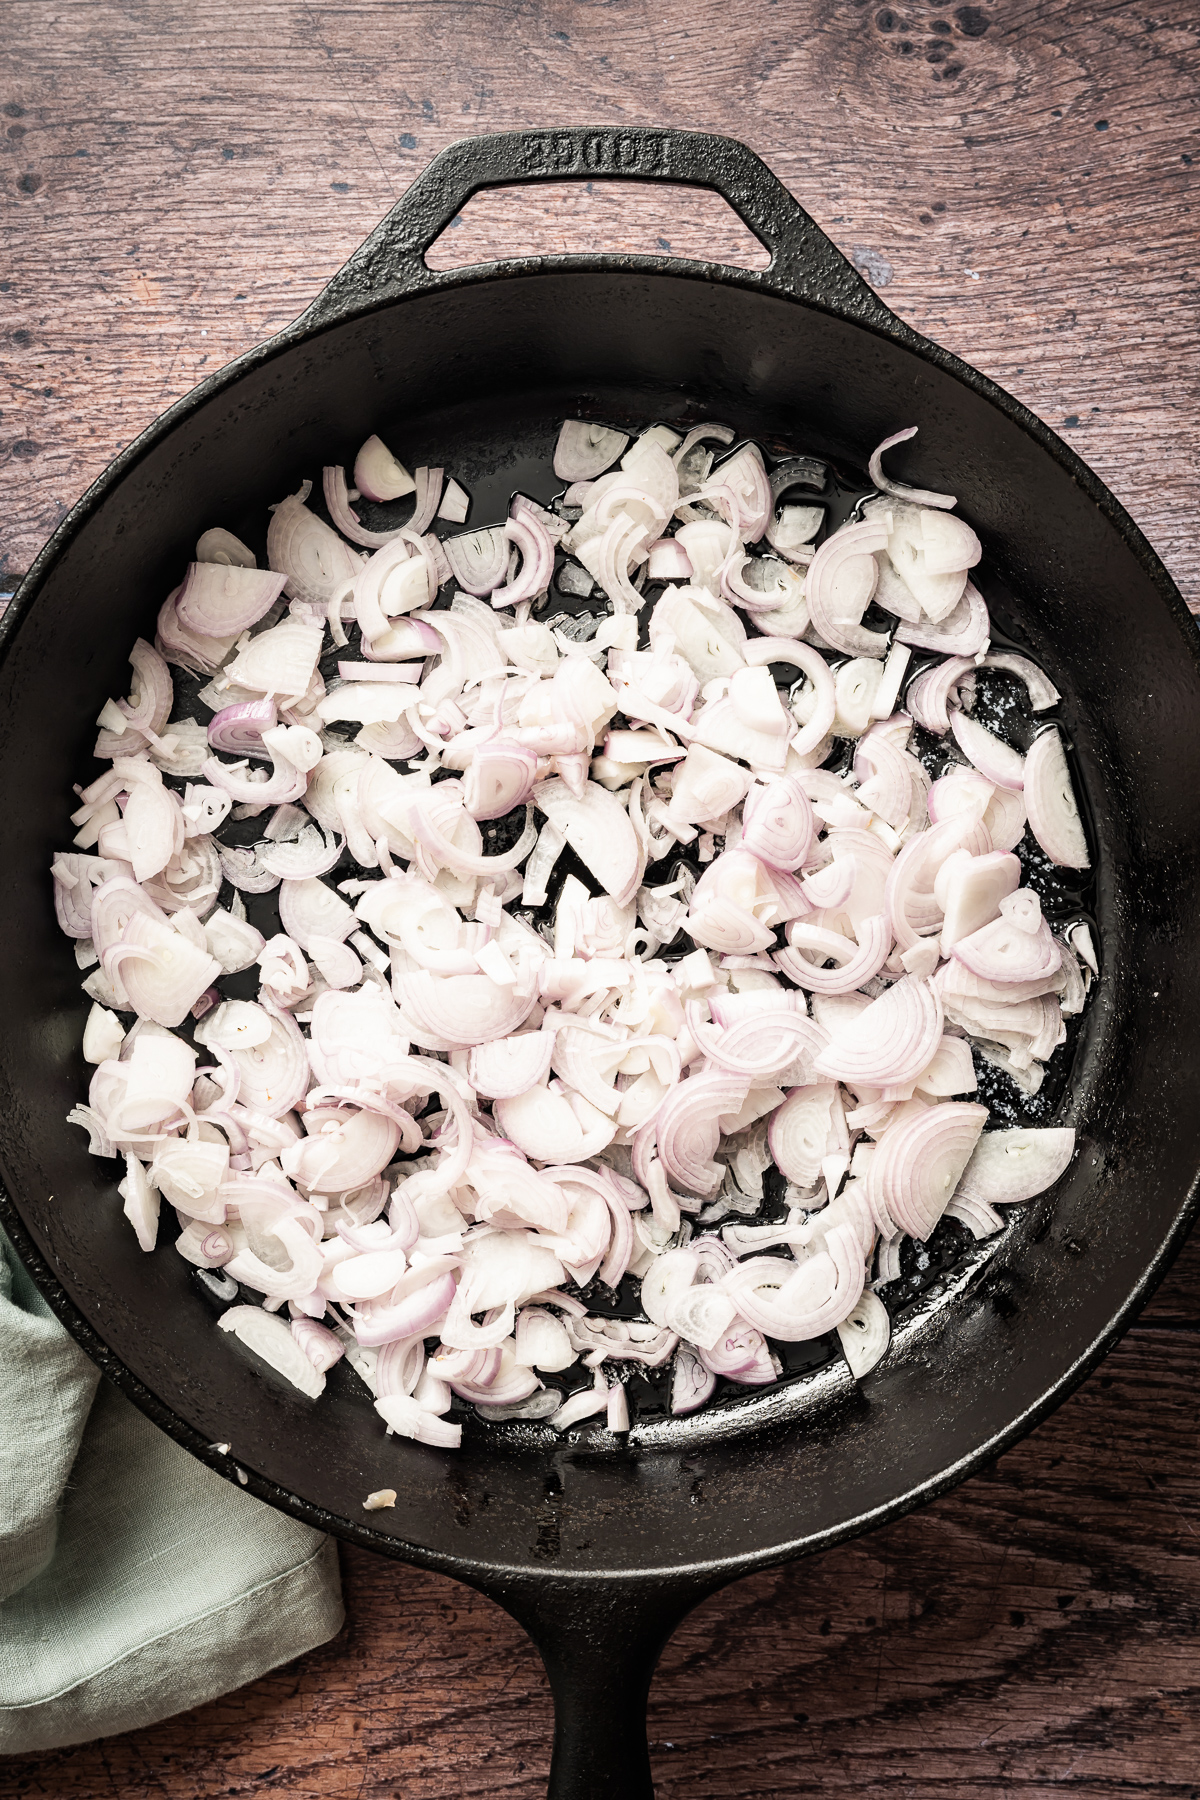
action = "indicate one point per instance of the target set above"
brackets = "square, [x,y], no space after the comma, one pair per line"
[619,217]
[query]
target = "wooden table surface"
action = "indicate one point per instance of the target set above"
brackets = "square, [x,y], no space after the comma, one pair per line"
[1018,177]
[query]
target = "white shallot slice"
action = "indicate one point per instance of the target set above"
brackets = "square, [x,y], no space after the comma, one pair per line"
[306,856]
[884,772]
[153,826]
[220,546]
[822,708]
[189,1173]
[320,1345]
[377,474]
[129,725]
[691,1382]
[963,632]
[855,961]
[950,1072]
[103,1035]
[928,696]
[667,560]
[316,562]
[865,1333]
[1017,946]
[687,1127]
[275,1074]
[460,1011]
[271,1340]
[286,780]
[527,533]
[905,562]
[478,559]
[542,1341]
[141,1203]
[554,1124]
[510,1066]
[398,579]
[160,969]
[279,661]
[404,1414]
[996,761]
[367,671]
[1050,799]
[76,879]
[743,475]
[218,600]
[337,499]
[455,503]
[1014,1165]
[428,483]
[981,1220]
[949,545]
[969,890]
[919,1161]
[841,579]
[335,961]
[599,830]
[700,434]
[356,1037]
[901,491]
[706,543]
[891,1041]
[707,632]
[809,1127]
[1041,690]
[186,648]
[584,451]
[582,1405]
[308,907]
[705,787]
[798,1301]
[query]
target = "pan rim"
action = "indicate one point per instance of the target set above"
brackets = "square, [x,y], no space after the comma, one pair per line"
[299,334]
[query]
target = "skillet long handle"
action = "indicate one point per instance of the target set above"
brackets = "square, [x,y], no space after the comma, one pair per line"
[600,1641]
[804,262]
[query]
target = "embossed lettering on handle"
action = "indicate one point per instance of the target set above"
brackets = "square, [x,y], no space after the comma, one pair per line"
[612,153]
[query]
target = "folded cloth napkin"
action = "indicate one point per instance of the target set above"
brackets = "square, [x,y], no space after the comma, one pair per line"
[134,1582]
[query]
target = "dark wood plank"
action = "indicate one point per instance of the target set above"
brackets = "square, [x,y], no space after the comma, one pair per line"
[176,184]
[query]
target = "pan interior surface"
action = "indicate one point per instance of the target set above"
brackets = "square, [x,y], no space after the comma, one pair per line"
[477,378]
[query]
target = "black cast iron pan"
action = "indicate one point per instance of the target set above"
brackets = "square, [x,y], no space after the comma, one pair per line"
[596,1547]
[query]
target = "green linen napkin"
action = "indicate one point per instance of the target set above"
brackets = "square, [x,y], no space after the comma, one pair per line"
[134,1583]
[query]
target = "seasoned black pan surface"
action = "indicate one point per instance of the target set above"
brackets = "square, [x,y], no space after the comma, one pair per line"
[599,1547]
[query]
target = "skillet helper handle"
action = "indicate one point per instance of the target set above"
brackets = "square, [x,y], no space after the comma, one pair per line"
[805,264]
[600,1641]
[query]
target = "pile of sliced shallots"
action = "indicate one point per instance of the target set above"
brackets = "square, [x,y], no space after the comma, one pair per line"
[445,1114]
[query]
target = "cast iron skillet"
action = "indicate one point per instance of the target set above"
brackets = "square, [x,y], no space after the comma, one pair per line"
[598,1548]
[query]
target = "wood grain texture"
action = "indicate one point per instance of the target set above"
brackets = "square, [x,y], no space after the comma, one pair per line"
[1019,178]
